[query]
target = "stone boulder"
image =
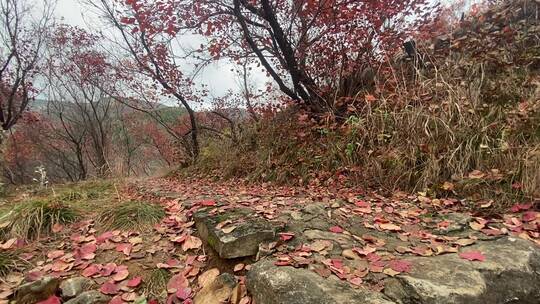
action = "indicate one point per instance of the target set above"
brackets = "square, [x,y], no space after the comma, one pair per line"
[73,287]
[36,291]
[270,284]
[243,241]
[218,291]
[509,274]
[90,297]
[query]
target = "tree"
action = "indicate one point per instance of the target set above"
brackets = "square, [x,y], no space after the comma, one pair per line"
[312,49]
[23,34]
[77,76]
[154,50]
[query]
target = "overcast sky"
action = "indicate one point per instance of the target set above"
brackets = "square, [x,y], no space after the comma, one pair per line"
[218,77]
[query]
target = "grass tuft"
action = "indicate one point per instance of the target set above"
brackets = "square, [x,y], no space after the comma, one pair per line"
[31,219]
[131,215]
[9,261]
[155,285]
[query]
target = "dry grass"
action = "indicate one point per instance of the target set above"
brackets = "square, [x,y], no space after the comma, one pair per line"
[155,284]
[34,218]
[131,215]
[469,118]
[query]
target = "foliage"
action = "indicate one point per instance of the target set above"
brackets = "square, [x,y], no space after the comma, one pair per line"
[470,108]
[131,215]
[34,218]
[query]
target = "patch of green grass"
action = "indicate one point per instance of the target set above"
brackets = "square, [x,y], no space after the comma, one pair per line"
[155,285]
[131,215]
[71,196]
[33,218]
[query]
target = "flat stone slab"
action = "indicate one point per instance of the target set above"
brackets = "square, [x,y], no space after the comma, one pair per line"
[270,284]
[249,231]
[509,274]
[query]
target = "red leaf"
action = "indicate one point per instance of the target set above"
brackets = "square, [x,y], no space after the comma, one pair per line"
[116,300]
[104,236]
[87,251]
[108,269]
[134,282]
[207,203]
[51,300]
[400,265]
[529,216]
[124,247]
[285,236]
[121,273]
[176,283]
[183,293]
[109,288]
[91,270]
[55,254]
[519,207]
[336,229]
[472,256]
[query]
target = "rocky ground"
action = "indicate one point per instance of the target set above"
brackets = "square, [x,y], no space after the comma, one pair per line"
[228,242]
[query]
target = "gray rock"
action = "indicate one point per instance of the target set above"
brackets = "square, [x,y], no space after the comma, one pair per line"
[242,241]
[509,274]
[73,287]
[270,284]
[36,291]
[458,223]
[90,297]
[218,291]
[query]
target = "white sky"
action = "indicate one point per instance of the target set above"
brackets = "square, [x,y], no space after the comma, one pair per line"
[218,77]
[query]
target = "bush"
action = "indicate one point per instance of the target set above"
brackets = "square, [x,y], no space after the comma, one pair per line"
[131,215]
[31,219]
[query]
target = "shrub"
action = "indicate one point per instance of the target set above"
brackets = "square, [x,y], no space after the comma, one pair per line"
[31,219]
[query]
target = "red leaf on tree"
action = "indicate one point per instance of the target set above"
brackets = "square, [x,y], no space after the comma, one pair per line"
[109,288]
[336,229]
[474,255]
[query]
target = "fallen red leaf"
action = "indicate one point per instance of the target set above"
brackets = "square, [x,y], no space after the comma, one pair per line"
[109,288]
[529,216]
[207,203]
[51,300]
[91,270]
[285,236]
[400,265]
[474,255]
[336,229]
[177,282]
[117,300]
[134,282]
[121,273]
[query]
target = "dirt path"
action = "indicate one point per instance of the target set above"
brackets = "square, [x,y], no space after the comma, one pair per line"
[345,244]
